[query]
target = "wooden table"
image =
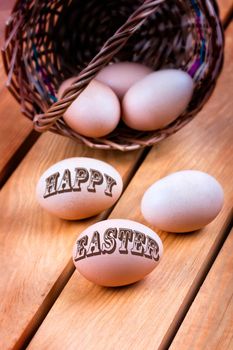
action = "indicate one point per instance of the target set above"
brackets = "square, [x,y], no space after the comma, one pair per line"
[186,303]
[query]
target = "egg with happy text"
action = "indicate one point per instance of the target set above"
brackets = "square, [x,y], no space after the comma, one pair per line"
[95,112]
[77,188]
[157,100]
[117,252]
[183,201]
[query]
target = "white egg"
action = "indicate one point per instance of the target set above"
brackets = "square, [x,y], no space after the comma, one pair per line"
[77,188]
[117,252]
[95,112]
[121,76]
[183,201]
[157,100]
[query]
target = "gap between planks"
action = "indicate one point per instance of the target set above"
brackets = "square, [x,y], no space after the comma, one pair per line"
[8,168]
[209,322]
[228,18]
[197,283]
[16,135]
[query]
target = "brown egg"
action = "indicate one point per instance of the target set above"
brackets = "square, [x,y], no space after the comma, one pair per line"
[95,112]
[121,76]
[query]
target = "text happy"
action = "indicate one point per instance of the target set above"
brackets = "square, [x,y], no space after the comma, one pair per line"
[142,245]
[91,178]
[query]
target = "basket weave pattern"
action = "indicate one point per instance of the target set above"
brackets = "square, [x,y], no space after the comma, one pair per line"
[49,41]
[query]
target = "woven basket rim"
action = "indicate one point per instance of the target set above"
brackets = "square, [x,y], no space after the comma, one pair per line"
[51,119]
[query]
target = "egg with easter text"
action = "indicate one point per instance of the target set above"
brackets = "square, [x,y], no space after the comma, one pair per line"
[117,252]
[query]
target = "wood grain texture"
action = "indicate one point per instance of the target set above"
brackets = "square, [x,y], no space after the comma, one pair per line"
[15,128]
[35,247]
[144,315]
[224,7]
[13,132]
[209,322]
[5,10]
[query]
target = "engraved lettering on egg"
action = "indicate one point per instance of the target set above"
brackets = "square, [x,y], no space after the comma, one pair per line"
[141,244]
[91,177]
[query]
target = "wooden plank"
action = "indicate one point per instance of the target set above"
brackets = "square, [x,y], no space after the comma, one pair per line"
[145,315]
[15,132]
[209,322]
[225,6]
[16,135]
[35,247]
[5,10]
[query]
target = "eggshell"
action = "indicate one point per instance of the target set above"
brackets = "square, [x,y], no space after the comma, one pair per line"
[66,83]
[95,112]
[77,188]
[183,201]
[117,252]
[121,76]
[157,100]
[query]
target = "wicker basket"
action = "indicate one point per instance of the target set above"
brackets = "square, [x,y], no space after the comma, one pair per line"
[47,41]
